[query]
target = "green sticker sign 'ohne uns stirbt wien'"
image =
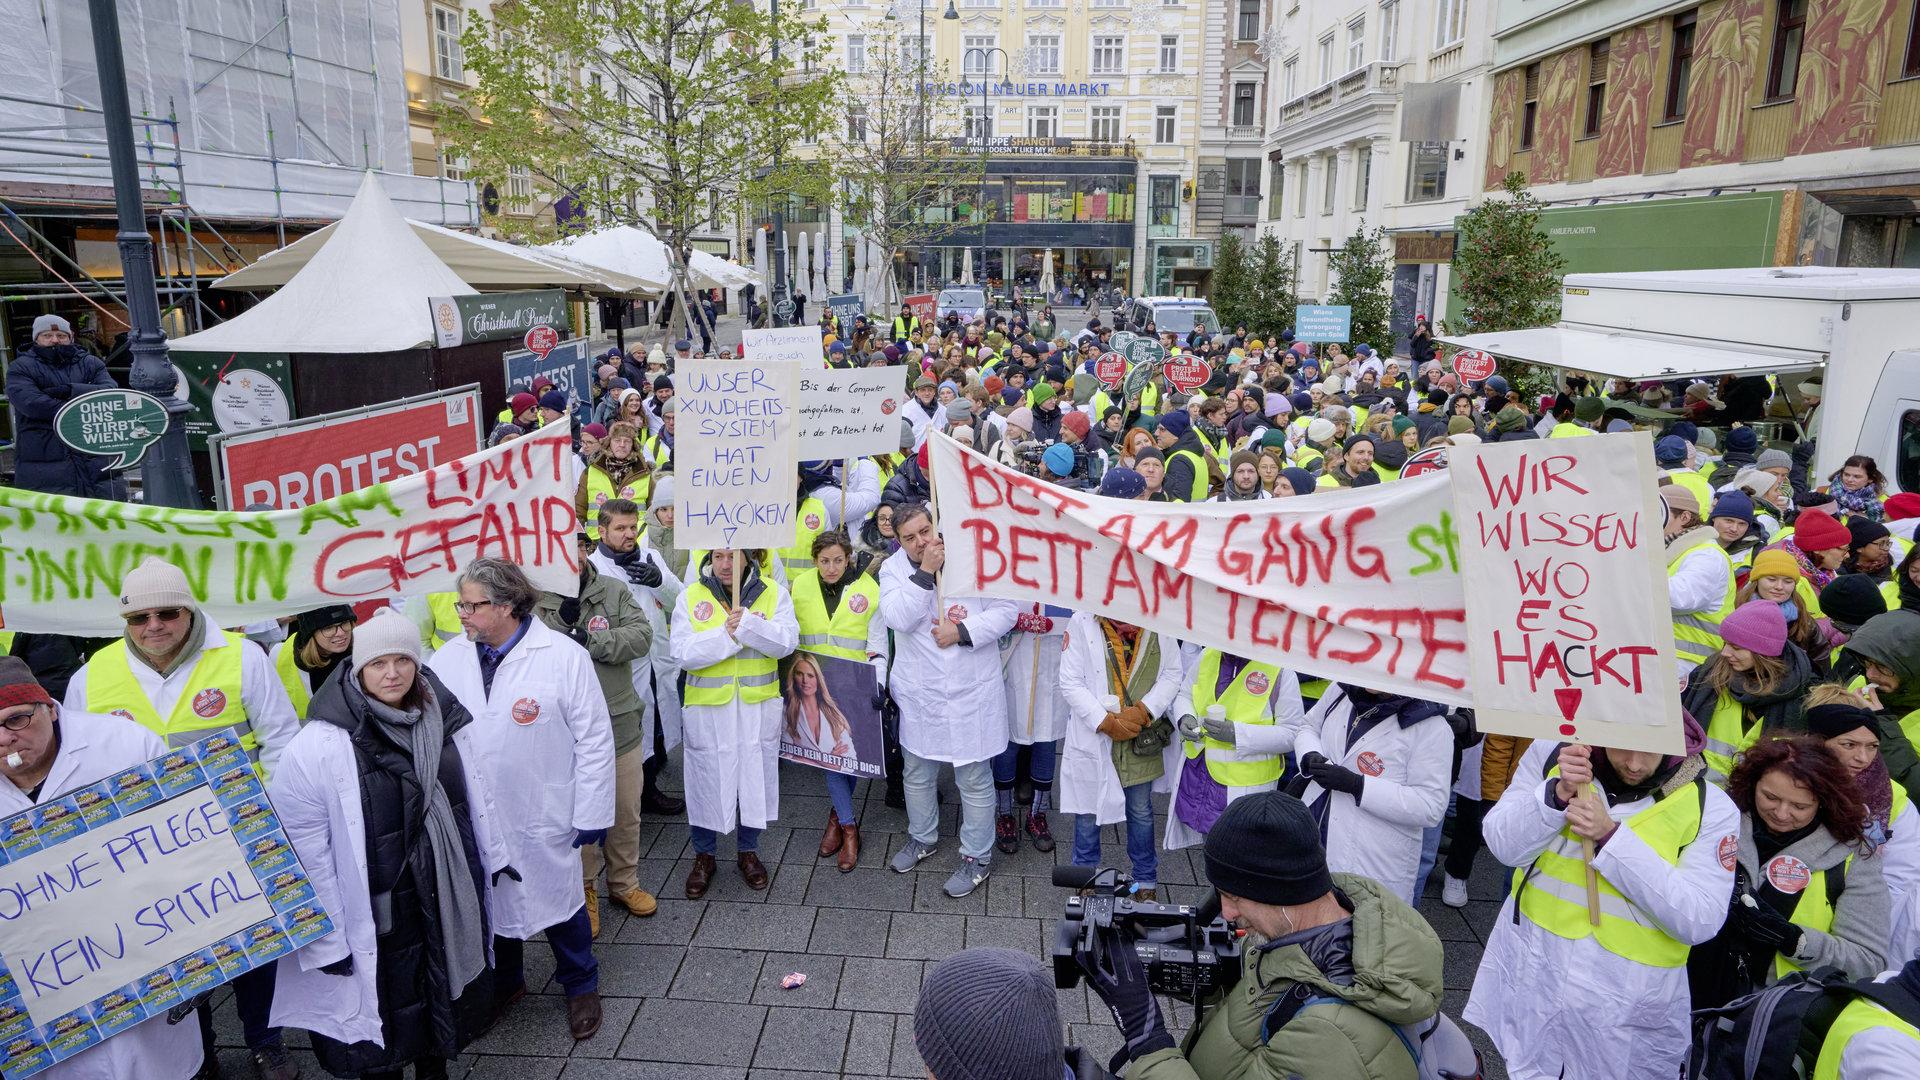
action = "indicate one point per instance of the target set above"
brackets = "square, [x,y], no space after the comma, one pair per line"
[119,423]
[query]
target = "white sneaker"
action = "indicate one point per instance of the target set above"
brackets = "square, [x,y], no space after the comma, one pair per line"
[1454,892]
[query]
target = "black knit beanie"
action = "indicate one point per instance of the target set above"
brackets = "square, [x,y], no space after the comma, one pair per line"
[1266,848]
[1851,599]
[990,1014]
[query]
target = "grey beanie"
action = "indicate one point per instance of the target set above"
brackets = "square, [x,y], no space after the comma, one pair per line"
[44,323]
[1771,458]
[990,1014]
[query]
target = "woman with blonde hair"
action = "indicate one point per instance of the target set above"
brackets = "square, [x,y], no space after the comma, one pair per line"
[814,720]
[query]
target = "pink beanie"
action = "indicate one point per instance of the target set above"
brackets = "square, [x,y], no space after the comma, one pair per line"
[1757,625]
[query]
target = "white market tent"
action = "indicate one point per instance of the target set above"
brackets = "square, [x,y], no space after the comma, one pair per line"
[636,253]
[363,290]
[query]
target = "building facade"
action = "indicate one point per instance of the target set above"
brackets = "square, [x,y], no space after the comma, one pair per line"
[1232,133]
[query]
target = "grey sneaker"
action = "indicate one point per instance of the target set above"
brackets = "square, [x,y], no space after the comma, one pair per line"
[911,855]
[967,876]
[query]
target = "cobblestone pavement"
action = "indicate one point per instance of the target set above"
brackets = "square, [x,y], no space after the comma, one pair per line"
[693,993]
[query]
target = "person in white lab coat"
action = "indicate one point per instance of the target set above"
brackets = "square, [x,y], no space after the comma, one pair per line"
[731,647]
[545,740]
[63,749]
[946,679]
[411,985]
[1378,768]
[1868,1041]
[1238,718]
[1112,756]
[1560,997]
[625,553]
[1700,580]
[1036,718]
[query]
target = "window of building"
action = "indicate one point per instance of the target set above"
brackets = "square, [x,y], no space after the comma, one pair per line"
[857,124]
[977,122]
[1389,30]
[1109,54]
[1357,44]
[1290,77]
[1043,54]
[1326,58]
[1426,171]
[856,53]
[1450,23]
[980,3]
[1362,177]
[915,50]
[1783,70]
[1276,187]
[519,187]
[1243,176]
[1596,85]
[448,62]
[1109,3]
[1247,27]
[1045,3]
[1680,65]
[1103,123]
[1166,123]
[1169,52]
[1300,190]
[1329,182]
[1530,107]
[1164,201]
[1911,66]
[975,59]
[1043,121]
[452,166]
[1243,104]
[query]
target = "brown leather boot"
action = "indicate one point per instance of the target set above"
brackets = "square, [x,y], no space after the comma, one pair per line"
[752,870]
[850,848]
[583,1015]
[830,842]
[700,876]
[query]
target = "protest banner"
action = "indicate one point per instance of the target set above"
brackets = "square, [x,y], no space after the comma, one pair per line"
[120,424]
[845,414]
[232,391]
[62,559]
[830,720]
[129,897]
[803,344]
[846,309]
[1356,584]
[463,320]
[922,306]
[1323,323]
[565,363]
[1568,630]
[734,457]
[291,465]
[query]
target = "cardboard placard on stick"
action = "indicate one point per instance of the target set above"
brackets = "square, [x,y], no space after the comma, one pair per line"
[735,460]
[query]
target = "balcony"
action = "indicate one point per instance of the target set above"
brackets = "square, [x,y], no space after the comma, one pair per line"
[1346,90]
[1244,133]
[1447,61]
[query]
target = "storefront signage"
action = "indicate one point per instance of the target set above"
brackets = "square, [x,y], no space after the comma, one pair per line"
[463,320]
[1020,89]
[1423,248]
[1019,145]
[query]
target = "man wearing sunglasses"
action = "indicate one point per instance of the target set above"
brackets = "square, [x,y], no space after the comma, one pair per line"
[179,675]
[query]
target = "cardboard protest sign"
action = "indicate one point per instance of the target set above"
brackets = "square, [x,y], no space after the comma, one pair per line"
[1110,369]
[62,559]
[734,456]
[830,720]
[1323,323]
[846,414]
[293,465]
[134,895]
[1358,584]
[801,344]
[120,424]
[565,363]
[1563,561]
[1474,365]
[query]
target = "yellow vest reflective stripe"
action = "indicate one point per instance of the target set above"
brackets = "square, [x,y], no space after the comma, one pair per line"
[446,620]
[1217,449]
[1696,634]
[1200,477]
[1553,891]
[1813,911]
[1860,1015]
[1385,474]
[600,488]
[292,677]
[1245,704]
[1727,737]
[1890,592]
[1697,484]
[1313,689]
[210,701]
[905,325]
[843,633]
[6,642]
[1306,457]
[752,679]
[809,521]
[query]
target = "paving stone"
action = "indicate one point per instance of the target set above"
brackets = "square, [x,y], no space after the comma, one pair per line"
[488,1067]
[536,1027]
[717,975]
[925,936]
[673,924]
[694,1032]
[869,888]
[848,932]
[870,1043]
[803,1039]
[636,970]
[986,931]
[754,926]
[648,1070]
[616,1014]
[818,992]
[879,985]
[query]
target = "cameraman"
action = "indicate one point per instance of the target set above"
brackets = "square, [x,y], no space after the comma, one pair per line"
[1341,965]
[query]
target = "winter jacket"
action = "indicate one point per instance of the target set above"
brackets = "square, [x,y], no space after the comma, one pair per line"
[1892,641]
[39,384]
[1396,981]
[1499,757]
[1778,712]
[615,632]
[907,486]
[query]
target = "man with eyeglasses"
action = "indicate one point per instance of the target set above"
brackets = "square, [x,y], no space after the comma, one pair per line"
[63,750]
[179,675]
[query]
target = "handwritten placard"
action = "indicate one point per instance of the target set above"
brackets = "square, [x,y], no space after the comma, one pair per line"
[847,414]
[127,898]
[802,344]
[735,461]
[1569,636]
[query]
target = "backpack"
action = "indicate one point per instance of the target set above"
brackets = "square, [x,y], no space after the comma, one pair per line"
[1439,1048]
[1776,1033]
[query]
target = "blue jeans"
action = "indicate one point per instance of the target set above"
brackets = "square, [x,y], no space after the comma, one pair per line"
[1140,849]
[706,840]
[1040,764]
[574,967]
[1429,854]
[840,790]
[975,781]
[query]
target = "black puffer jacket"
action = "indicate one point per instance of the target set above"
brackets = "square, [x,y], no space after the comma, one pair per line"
[39,382]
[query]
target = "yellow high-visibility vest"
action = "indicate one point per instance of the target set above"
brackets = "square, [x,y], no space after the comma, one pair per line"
[1696,635]
[844,632]
[210,701]
[1727,737]
[751,679]
[291,677]
[600,488]
[1813,911]
[1861,1014]
[809,521]
[1246,703]
[1201,480]
[446,619]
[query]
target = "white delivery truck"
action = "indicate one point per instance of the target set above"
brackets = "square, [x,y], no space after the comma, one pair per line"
[1859,328]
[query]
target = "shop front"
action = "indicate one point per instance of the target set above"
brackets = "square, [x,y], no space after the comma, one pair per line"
[1181,267]
[1420,262]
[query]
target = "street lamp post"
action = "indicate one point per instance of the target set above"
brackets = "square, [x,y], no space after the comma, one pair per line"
[986,132]
[167,474]
[778,302]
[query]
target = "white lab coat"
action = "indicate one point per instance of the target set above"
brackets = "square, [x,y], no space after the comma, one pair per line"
[1555,1005]
[1880,1053]
[863,489]
[94,746]
[952,707]
[317,795]
[1089,783]
[1030,672]
[1900,865]
[658,668]
[1250,741]
[732,757]
[268,708]
[1408,772]
[546,744]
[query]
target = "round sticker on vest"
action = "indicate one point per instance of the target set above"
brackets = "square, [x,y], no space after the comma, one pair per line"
[1788,874]
[209,703]
[526,711]
[1729,851]
[857,605]
[1370,763]
[702,611]
[957,613]
[813,521]
[1257,682]
[598,622]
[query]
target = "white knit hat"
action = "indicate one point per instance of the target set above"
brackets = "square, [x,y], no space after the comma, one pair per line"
[386,634]
[1319,430]
[155,583]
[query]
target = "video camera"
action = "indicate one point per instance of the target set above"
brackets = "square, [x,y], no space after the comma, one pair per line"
[1187,951]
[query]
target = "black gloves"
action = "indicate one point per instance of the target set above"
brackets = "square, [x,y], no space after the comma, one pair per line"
[1114,972]
[643,573]
[570,610]
[879,698]
[507,871]
[584,837]
[1759,923]
[342,966]
[1333,777]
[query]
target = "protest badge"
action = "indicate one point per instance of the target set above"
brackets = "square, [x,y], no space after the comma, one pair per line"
[830,722]
[62,559]
[734,457]
[846,414]
[1568,630]
[307,461]
[801,344]
[846,309]
[564,362]
[1356,584]
[126,909]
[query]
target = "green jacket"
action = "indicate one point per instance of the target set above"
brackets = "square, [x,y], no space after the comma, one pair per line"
[1892,640]
[1397,980]
[622,637]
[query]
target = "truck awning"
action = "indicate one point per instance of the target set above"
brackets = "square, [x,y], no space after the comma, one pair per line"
[1637,356]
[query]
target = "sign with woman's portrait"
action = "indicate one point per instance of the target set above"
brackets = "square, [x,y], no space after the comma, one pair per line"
[830,719]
